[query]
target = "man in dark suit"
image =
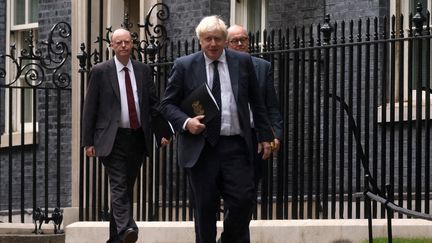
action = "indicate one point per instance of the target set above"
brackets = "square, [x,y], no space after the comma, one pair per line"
[119,106]
[218,155]
[238,40]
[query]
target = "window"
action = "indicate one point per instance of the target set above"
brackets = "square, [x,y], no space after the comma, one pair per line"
[405,8]
[22,17]
[417,64]
[249,13]
[23,14]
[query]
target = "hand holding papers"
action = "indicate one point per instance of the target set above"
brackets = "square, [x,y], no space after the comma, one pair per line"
[161,129]
[200,102]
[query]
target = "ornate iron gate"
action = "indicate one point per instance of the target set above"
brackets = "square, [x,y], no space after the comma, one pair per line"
[35,97]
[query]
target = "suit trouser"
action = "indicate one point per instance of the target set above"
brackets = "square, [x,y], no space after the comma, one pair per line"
[223,171]
[258,174]
[122,166]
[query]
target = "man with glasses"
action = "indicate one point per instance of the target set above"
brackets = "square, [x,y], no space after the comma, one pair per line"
[238,40]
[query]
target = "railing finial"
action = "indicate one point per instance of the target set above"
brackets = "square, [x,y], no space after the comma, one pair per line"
[326,29]
[126,23]
[82,57]
[418,20]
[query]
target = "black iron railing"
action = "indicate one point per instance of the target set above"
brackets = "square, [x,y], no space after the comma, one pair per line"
[37,98]
[347,94]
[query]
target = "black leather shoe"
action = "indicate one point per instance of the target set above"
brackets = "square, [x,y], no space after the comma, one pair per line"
[130,236]
[114,240]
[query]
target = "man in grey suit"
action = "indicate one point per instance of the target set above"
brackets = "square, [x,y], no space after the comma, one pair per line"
[238,40]
[119,106]
[218,156]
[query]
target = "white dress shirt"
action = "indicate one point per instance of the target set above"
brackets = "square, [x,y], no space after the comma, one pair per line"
[124,121]
[230,124]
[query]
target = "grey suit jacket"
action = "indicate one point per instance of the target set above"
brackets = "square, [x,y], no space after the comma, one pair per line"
[102,108]
[189,73]
[264,72]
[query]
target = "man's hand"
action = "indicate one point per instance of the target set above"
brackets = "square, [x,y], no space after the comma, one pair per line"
[165,142]
[90,151]
[275,145]
[195,126]
[266,150]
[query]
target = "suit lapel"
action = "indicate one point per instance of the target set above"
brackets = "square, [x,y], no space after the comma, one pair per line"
[233,67]
[139,82]
[256,66]
[200,74]
[112,70]
[257,70]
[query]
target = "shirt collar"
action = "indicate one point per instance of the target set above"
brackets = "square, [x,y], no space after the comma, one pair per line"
[222,58]
[120,66]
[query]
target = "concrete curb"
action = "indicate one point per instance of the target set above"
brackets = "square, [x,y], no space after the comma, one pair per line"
[262,231]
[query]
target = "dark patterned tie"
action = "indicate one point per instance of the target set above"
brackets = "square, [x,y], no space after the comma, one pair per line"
[214,126]
[133,117]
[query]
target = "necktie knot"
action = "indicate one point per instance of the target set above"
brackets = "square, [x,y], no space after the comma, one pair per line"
[125,69]
[215,63]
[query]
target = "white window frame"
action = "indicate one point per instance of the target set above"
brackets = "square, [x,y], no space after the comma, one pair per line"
[405,10]
[239,14]
[17,32]
[26,25]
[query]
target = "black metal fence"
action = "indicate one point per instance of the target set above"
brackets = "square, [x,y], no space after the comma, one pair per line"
[355,98]
[35,128]
[347,93]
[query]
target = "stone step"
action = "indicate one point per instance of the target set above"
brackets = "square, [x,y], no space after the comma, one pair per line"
[24,238]
[262,231]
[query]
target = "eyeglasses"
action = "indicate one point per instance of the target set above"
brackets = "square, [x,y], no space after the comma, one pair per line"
[239,41]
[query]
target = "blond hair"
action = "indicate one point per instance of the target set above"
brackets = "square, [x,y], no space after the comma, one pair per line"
[211,23]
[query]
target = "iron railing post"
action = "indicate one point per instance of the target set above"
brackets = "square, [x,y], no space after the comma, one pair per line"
[389,190]
[368,206]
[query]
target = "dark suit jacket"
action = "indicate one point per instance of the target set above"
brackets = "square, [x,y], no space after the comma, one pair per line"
[102,108]
[264,72]
[188,73]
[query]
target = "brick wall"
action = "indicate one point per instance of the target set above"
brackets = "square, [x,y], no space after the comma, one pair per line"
[185,16]
[346,10]
[288,13]
[50,13]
